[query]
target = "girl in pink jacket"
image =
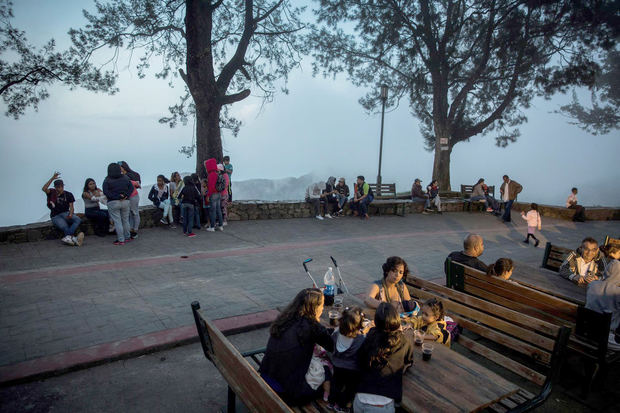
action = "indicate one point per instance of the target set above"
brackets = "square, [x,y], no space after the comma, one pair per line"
[533,222]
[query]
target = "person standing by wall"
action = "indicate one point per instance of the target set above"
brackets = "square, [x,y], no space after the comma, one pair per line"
[228,168]
[134,198]
[215,197]
[117,187]
[509,190]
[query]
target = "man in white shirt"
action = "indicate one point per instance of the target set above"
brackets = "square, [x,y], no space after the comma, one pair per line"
[509,191]
[585,264]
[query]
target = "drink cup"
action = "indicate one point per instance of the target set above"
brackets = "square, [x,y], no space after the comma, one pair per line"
[418,337]
[365,323]
[334,316]
[427,351]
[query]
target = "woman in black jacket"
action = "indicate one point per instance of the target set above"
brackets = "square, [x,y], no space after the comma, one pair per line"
[117,188]
[289,349]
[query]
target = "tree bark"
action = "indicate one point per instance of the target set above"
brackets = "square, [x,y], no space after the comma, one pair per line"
[208,137]
[441,166]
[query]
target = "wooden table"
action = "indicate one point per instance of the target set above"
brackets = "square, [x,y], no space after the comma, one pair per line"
[548,282]
[449,382]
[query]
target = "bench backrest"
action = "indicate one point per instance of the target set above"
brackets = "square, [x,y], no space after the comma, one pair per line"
[466,190]
[611,241]
[241,377]
[386,189]
[554,256]
[537,339]
[510,294]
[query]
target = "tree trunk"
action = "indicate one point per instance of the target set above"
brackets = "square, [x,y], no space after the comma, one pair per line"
[441,166]
[208,136]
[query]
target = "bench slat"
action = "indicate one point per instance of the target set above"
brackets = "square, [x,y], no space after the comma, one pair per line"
[502,360]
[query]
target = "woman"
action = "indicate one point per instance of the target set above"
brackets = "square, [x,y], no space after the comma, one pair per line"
[502,268]
[176,185]
[224,193]
[134,199]
[293,336]
[92,196]
[160,197]
[478,194]
[383,358]
[391,289]
[117,188]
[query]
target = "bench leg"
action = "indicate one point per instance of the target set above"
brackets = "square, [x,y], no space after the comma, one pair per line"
[232,401]
[591,367]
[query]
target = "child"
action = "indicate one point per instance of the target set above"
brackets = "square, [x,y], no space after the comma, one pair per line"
[320,371]
[432,322]
[501,269]
[190,197]
[348,338]
[383,359]
[533,222]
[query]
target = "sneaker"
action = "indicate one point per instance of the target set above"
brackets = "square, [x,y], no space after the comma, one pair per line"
[319,217]
[164,221]
[526,241]
[328,216]
[220,228]
[128,240]
[68,239]
[79,240]
[191,235]
[225,223]
[425,212]
[172,226]
[341,211]
[489,209]
[117,242]
[537,242]
[133,235]
[612,343]
[210,229]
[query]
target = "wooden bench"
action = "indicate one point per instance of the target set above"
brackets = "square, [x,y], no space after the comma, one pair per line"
[510,335]
[241,372]
[554,257]
[466,191]
[386,198]
[589,329]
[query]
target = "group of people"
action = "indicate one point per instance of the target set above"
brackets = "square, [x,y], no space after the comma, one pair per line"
[189,201]
[359,364]
[329,198]
[590,265]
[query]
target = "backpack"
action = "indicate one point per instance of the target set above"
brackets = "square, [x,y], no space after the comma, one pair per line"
[220,184]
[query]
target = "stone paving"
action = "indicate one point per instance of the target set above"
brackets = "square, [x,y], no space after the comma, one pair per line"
[55,298]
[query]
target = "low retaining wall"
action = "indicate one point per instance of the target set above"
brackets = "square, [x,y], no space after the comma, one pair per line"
[252,210]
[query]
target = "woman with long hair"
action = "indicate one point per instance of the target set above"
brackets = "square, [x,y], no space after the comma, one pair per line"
[391,288]
[383,358]
[92,197]
[117,188]
[293,336]
[134,198]
[176,185]
[160,197]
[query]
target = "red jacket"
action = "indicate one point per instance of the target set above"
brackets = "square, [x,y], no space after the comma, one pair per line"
[211,167]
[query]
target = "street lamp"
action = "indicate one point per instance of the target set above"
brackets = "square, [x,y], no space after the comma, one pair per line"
[384,96]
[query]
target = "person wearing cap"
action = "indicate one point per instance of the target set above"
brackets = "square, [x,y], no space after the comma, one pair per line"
[417,193]
[60,203]
[342,194]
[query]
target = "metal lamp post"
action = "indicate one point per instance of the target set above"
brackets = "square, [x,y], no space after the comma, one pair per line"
[384,96]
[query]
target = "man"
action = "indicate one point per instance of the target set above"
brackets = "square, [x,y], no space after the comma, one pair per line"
[60,203]
[509,191]
[362,197]
[342,194]
[584,265]
[573,203]
[473,247]
[417,194]
[316,197]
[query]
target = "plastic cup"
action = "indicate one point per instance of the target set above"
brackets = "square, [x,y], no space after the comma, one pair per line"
[427,351]
[334,316]
[418,337]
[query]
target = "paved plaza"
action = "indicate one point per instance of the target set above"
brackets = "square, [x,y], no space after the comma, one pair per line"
[55,298]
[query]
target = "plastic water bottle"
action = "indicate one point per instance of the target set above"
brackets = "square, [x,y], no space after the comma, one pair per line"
[330,286]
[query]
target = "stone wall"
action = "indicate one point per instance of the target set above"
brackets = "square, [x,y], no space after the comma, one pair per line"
[252,210]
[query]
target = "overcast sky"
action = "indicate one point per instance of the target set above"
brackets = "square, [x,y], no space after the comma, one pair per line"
[319,127]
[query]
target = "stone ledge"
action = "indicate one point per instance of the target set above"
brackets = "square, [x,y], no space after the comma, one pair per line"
[553,211]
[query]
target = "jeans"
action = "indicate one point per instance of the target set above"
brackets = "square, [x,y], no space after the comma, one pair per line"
[342,200]
[216,209]
[435,201]
[165,205]
[197,216]
[359,407]
[100,218]
[119,212]
[61,222]
[508,207]
[361,206]
[187,211]
[134,220]
[492,202]
[480,198]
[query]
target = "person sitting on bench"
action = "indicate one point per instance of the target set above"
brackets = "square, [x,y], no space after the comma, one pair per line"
[60,203]
[316,198]
[391,288]
[502,268]
[584,265]
[473,247]
[362,197]
[417,194]
[292,338]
